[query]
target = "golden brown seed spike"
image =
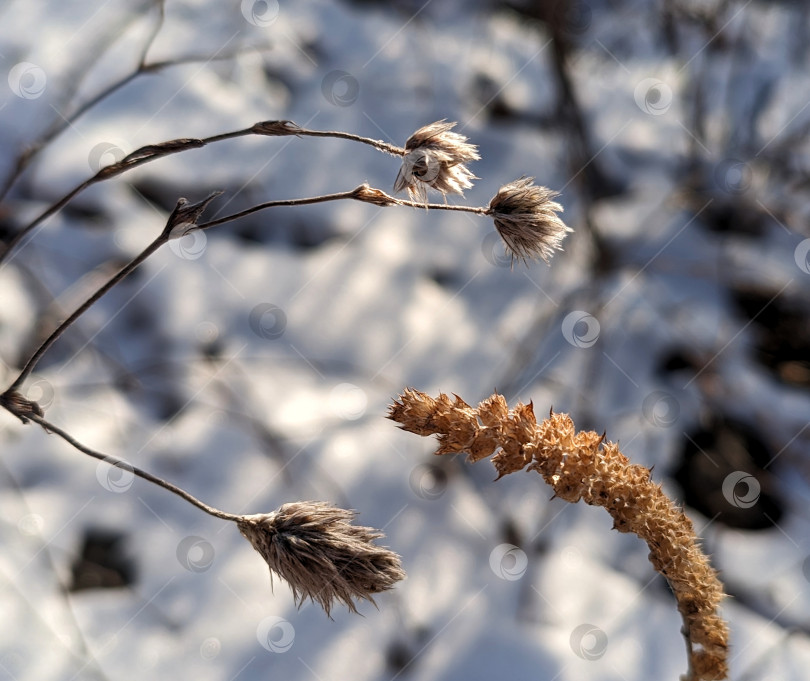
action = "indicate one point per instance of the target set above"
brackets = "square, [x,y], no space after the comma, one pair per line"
[526,218]
[583,465]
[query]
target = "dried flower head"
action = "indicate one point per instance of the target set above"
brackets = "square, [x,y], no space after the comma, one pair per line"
[435,157]
[526,218]
[581,465]
[314,547]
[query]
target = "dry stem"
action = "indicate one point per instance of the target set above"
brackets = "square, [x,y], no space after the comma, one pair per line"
[311,545]
[186,216]
[152,152]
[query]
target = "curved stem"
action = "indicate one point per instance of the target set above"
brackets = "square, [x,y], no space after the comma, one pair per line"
[153,152]
[50,340]
[377,144]
[363,193]
[113,461]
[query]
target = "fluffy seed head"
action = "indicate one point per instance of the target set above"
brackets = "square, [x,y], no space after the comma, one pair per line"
[525,216]
[435,157]
[314,548]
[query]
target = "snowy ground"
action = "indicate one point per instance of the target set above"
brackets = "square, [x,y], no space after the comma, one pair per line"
[254,367]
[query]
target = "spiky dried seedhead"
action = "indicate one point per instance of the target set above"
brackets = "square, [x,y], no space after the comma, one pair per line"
[435,158]
[581,465]
[526,217]
[314,548]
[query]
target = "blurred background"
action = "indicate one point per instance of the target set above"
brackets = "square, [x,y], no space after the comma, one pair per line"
[253,364]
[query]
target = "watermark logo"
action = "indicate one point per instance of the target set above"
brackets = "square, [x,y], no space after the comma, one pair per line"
[275,634]
[661,409]
[588,642]
[348,401]
[268,321]
[340,88]
[741,489]
[260,13]
[195,554]
[508,562]
[428,481]
[580,329]
[653,96]
[27,80]
[115,476]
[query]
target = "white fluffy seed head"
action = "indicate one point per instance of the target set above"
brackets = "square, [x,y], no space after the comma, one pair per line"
[435,158]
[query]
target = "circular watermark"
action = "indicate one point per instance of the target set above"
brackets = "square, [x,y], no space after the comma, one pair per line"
[571,556]
[275,634]
[41,392]
[733,176]
[572,16]
[31,525]
[210,648]
[268,321]
[260,13]
[348,401]
[802,256]
[580,329]
[114,475]
[661,409]
[340,88]
[428,481]
[508,562]
[420,165]
[806,568]
[195,554]
[653,96]
[187,242]
[104,154]
[588,642]
[27,80]
[733,489]
[494,251]
[206,332]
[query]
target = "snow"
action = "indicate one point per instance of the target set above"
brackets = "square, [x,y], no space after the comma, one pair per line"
[254,367]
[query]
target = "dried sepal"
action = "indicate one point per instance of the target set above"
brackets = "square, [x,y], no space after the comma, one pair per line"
[276,128]
[436,158]
[369,194]
[314,547]
[525,216]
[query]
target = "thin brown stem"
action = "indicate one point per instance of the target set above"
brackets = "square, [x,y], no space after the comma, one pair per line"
[123,465]
[377,144]
[184,215]
[50,340]
[153,152]
[62,123]
[137,158]
[363,193]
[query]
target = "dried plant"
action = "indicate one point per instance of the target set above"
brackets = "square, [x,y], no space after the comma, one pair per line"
[435,158]
[583,466]
[311,545]
[321,555]
[526,217]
